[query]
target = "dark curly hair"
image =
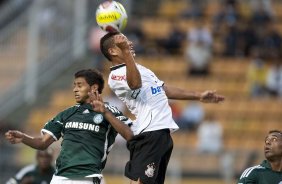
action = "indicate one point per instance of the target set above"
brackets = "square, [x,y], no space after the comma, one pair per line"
[92,76]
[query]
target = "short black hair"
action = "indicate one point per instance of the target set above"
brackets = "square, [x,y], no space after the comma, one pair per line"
[92,76]
[107,42]
[275,131]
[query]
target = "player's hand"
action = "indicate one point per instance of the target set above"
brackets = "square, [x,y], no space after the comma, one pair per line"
[122,42]
[211,97]
[14,136]
[96,102]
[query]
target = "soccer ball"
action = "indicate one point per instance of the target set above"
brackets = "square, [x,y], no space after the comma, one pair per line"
[111,16]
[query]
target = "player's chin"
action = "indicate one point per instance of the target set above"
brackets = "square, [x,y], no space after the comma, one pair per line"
[77,100]
[268,155]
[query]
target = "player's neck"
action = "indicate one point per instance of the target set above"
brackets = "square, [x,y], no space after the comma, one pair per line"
[117,62]
[86,101]
[276,165]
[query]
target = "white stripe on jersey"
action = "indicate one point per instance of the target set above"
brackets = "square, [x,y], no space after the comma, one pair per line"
[248,171]
[100,176]
[106,144]
[24,170]
[110,148]
[48,132]
[113,109]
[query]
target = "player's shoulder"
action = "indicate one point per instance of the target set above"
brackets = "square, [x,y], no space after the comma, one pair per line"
[118,68]
[70,110]
[117,74]
[145,72]
[251,171]
[142,67]
[25,170]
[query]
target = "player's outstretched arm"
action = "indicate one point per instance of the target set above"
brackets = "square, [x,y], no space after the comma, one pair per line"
[133,76]
[40,143]
[208,96]
[99,106]
[120,127]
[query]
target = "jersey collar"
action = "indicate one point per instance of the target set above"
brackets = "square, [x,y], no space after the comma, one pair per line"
[84,106]
[266,164]
[117,66]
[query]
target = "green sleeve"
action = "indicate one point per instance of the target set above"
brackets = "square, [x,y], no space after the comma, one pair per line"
[54,127]
[249,176]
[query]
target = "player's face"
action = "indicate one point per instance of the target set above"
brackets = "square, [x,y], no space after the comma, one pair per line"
[273,146]
[81,89]
[122,38]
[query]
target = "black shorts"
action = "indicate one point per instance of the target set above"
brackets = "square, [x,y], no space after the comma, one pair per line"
[149,156]
[96,180]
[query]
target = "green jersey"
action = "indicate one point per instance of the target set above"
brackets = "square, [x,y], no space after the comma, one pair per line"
[87,139]
[261,174]
[33,172]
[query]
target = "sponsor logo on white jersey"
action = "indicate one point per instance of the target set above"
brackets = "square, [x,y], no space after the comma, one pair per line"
[118,77]
[156,90]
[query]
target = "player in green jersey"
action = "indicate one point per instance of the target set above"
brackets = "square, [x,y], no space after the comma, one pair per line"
[270,170]
[38,173]
[88,130]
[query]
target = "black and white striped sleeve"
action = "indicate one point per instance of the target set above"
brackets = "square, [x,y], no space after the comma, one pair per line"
[118,114]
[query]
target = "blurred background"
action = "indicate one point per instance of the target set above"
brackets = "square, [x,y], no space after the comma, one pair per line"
[232,46]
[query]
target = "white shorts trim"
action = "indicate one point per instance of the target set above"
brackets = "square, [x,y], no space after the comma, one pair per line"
[64,180]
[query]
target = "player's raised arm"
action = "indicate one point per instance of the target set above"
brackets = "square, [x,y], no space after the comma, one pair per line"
[205,97]
[133,76]
[98,106]
[40,143]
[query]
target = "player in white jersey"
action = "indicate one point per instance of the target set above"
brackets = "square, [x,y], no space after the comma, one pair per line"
[147,98]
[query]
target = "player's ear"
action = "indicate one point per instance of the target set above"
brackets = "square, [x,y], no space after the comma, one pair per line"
[113,51]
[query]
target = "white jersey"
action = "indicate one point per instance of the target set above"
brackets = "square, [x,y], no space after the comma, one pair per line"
[149,103]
